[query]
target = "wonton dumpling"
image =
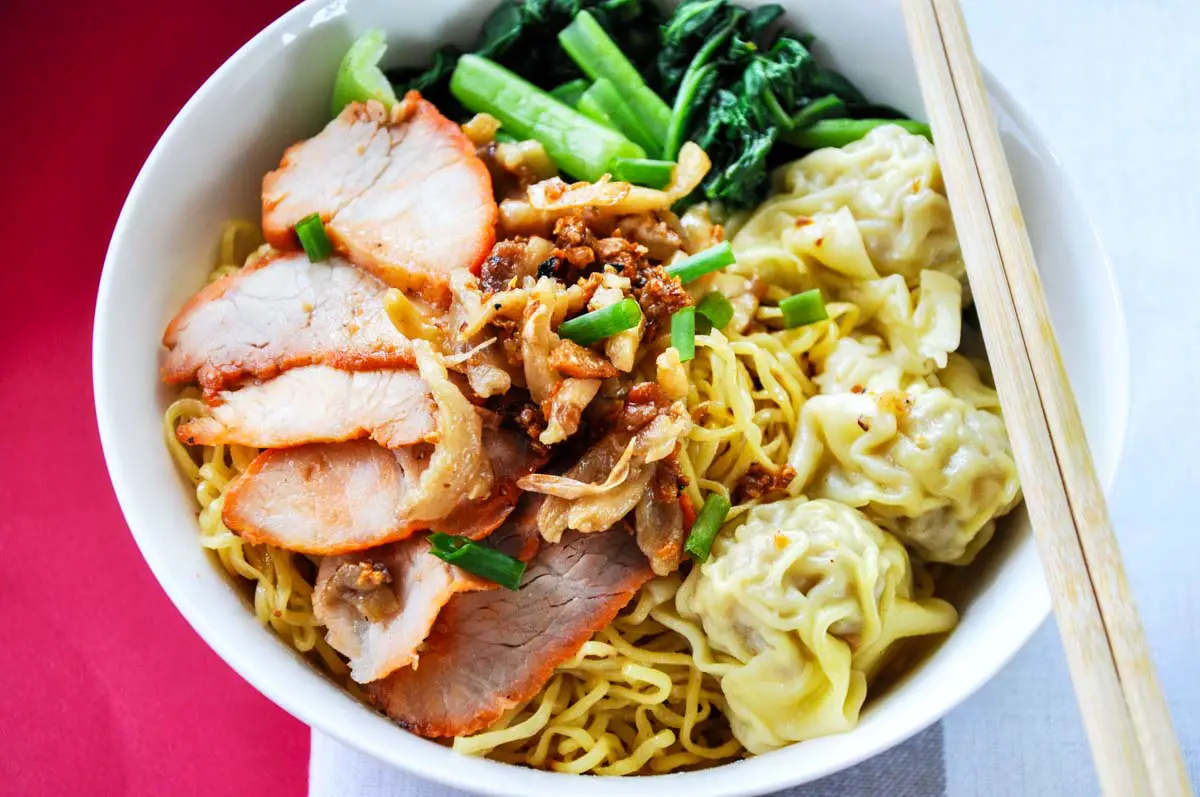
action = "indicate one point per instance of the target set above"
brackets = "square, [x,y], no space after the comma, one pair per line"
[890,183]
[961,377]
[921,333]
[922,462]
[801,604]
[858,363]
[921,327]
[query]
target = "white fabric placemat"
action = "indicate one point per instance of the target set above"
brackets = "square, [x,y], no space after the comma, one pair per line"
[1113,86]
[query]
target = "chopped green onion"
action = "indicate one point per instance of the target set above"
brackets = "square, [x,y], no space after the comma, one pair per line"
[605,97]
[311,232]
[825,107]
[803,308]
[840,132]
[701,263]
[600,324]
[683,333]
[708,523]
[502,137]
[717,309]
[643,171]
[570,92]
[481,560]
[359,77]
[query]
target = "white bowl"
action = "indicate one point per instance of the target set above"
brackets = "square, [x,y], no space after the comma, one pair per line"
[207,168]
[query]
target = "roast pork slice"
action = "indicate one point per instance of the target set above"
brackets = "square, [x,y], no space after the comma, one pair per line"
[334,498]
[401,192]
[320,404]
[282,312]
[379,605]
[490,651]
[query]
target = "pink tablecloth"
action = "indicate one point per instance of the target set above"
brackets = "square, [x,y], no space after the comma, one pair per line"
[105,688]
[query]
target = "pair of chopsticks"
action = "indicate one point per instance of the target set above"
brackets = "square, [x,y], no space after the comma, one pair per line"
[1124,713]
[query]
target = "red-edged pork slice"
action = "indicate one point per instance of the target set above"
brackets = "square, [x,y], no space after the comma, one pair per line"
[512,457]
[492,650]
[379,605]
[333,498]
[278,313]
[402,193]
[315,404]
[519,536]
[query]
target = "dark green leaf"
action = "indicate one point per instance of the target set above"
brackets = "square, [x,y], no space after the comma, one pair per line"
[522,37]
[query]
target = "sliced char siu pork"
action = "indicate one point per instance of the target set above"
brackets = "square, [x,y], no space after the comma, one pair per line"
[336,498]
[379,605]
[401,192]
[490,651]
[319,404]
[281,312]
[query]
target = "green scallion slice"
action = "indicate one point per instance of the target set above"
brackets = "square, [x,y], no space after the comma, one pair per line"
[803,308]
[600,324]
[643,171]
[683,333]
[481,560]
[708,523]
[702,263]
[311,232]
[717,309]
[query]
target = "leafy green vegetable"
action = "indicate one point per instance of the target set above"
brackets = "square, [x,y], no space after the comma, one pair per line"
[740,86]
[827,106]
[738,83]
[359,77]
[521,35]
[570,92]
[594,51]
[840,132]
[579,146]
[616,112]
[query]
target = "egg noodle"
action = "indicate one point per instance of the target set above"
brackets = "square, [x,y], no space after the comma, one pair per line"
[634,699]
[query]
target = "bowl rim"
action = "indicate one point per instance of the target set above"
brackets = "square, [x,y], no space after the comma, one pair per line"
[471,773]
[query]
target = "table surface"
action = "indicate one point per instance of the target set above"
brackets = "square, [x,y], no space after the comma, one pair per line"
[102,669]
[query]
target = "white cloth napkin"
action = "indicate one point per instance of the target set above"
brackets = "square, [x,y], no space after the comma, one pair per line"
[1112,85]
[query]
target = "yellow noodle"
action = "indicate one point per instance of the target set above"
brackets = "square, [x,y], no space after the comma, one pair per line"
[633,699]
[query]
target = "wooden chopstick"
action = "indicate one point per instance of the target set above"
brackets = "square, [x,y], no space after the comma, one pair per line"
[1124,713]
